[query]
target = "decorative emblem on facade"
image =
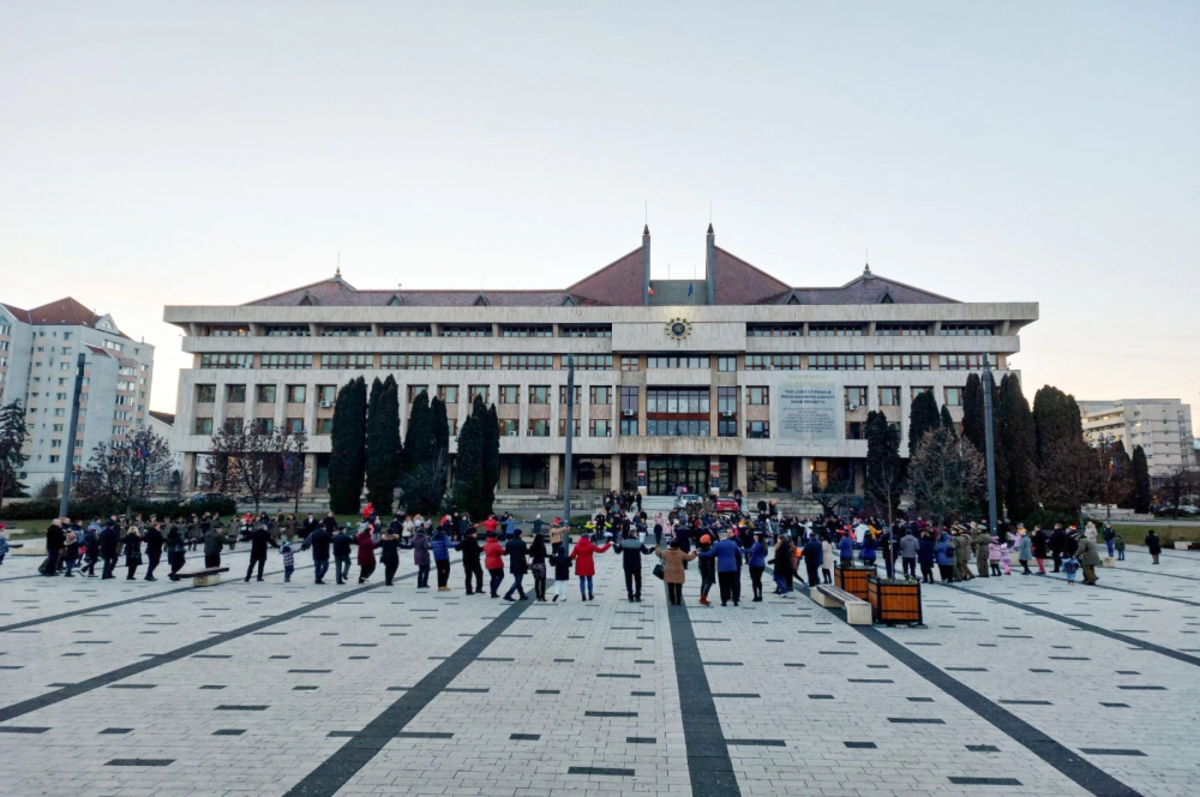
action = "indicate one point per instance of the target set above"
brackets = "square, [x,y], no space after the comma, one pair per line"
[679,328]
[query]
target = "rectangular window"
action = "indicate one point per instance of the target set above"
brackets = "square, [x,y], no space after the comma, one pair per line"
[836,362]
[901,330]
[856,398]
[539,394]
[954,396]
[673,361]
[758,395]
[288,331]
[774,330]
[508,427]
[467,362]
[772,362]
[235,394]
[407,362]
[324,426]
[677,427]
[264,425]
[727,363]
[448,394]
[407,331]
[467,331]
[477,392]
[531,331]
[591,331]
[538,428]
[527,362]
[264,394]
[901,362]
[600,394]
[287,361]
[562,427]
[960,362]
[727,401]
[758,430]
[889,397]
[599,428]
[226,360]
[233,425]
[916,391]
[294,426]
[415,390]
[355,331]
[854,430]
[961,330]
[835,330]
[629,364]
[206,394]
[677,401]
[351,361]
[594,362]
[297,394]
[562,395]
[327,395]
[226,332]
[510,394]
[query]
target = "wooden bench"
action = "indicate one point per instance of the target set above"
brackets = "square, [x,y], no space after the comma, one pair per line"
[205,578]
[858,611]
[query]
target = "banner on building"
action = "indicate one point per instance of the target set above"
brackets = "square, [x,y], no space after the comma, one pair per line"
[808,408]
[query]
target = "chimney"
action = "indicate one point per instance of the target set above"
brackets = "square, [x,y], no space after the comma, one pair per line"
[646,265]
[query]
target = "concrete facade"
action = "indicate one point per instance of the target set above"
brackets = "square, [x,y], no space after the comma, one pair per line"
[1162,427]
[873,342]
[38,351]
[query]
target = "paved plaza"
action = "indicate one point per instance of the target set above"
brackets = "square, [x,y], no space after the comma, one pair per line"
[1017,685]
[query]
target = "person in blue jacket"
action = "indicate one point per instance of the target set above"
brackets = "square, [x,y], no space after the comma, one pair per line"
[440,545]
[846,551]
[726,553]
[944,551]
[756,560]
[868,549]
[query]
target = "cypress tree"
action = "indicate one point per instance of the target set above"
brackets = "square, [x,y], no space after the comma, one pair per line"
[884,468]
[347,460]
[947,422]
[439,425]
[468,470]
[418,437]
[1068,471]
[383,444]
[1141,477]
[922,417]
[973,427]
[491,453]
[1017,440]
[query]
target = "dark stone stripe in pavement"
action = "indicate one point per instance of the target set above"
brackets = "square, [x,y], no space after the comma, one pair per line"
[140,762]
[334,772]
[710,769]
[1095,629]
[610,771]
[1086,775]
[1139,594]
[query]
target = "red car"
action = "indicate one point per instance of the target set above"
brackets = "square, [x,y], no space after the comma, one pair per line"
[725,505]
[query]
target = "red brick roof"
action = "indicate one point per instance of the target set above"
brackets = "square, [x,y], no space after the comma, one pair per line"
[738,282]
[618,283]
[64,312]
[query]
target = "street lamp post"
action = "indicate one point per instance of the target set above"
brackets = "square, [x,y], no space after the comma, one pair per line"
[989,444]
[69,459]
[570,436]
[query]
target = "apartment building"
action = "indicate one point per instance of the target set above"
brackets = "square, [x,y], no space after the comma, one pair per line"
[735,380]
[38,352]
[1162,427]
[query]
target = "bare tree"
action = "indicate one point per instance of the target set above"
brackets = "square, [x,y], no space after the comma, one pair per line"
[124,472]
[946,474]
[254,463]
[838,490]
[292,474]
[1177,488]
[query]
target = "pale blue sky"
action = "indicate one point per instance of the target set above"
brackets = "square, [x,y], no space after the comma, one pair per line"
[188,153]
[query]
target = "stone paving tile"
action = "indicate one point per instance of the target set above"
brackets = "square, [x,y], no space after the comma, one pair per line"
[825,692]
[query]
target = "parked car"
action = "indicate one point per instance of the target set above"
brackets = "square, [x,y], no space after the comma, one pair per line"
[725,504]
[684,500]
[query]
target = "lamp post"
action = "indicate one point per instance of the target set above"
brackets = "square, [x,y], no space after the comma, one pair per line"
[570,436]
[989,444]
[69,459]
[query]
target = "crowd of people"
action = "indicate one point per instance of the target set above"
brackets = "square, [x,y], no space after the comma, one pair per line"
[721,544]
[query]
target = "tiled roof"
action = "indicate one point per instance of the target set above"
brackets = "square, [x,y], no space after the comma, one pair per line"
[618,283]
[16,312]
[64,312]
[866,289]
[738,282]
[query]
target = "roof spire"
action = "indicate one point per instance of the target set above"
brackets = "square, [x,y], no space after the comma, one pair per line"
[710,229]
[867,266]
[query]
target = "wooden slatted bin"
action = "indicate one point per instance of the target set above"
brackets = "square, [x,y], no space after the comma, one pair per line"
[852,579]
[895,602]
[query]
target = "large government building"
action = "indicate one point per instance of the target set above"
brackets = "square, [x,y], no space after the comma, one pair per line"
[736,380]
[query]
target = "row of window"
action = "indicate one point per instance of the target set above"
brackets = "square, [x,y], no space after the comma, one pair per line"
[327,394]
[859,330]
[596,362]
[410,331]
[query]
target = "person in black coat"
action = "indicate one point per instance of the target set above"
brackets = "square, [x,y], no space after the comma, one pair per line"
[319,542]
[812,554]
[1058,542]
[154,549]
[517,550]
[468,546]
[133,551]
[260,538]
[1153,545]
[110,542]
[55,541]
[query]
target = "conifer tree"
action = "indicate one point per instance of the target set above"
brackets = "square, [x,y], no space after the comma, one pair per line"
[884,468]
[383,444]
[347,458]
[1143,494]
[469,491]
[1017,440]
[922,417]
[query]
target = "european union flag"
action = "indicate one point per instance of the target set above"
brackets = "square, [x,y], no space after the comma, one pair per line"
[690,286]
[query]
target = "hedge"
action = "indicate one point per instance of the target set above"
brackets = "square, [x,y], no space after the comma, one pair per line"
[38,510]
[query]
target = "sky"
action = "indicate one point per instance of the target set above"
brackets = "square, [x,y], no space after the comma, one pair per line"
[212,153]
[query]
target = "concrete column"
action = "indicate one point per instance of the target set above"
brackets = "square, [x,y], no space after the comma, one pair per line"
[806,465]
[740,479]
[615,476]
[310,474]
[552,481]
[188,473]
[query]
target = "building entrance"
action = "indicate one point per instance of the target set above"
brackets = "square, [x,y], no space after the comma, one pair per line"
[666,474]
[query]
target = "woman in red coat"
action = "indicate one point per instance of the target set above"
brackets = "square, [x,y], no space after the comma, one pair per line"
[493,560]
[366,554]
[585,565]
